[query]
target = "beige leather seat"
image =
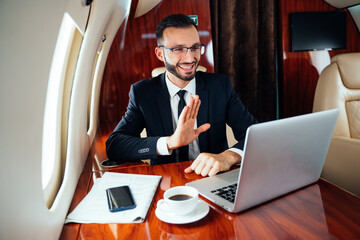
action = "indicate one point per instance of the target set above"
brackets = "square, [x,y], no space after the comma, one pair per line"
[339,87]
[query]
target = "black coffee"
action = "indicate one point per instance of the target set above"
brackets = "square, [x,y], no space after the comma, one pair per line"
[180,197]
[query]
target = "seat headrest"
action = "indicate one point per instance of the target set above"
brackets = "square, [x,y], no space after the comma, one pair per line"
[349,67]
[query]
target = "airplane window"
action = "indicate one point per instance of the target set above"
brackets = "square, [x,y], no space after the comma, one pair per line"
[54,144]
[94,93]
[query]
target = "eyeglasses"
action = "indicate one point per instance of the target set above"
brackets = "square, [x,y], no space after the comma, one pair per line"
[183,50]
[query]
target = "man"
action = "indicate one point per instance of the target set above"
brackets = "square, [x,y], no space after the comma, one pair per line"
[155,104]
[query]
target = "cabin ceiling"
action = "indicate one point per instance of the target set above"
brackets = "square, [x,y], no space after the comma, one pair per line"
[355,13]
[353,7]
[343,3]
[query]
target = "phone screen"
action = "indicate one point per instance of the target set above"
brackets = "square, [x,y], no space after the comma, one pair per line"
[120,198]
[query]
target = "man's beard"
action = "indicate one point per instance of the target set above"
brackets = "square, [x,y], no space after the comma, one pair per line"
[172,69]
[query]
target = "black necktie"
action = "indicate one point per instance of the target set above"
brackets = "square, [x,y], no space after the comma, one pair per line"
[183,151]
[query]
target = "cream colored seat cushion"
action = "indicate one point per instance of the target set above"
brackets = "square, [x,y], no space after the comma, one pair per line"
[339,87]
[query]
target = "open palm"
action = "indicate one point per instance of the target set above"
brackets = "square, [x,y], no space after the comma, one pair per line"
[185,132]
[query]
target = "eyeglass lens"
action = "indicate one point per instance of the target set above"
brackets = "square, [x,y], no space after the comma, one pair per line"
[196,48]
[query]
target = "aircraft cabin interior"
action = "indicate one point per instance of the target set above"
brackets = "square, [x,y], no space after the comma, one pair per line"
[66,70]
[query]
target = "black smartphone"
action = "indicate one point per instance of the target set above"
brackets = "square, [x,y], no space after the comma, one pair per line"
[120,199]
[110,163]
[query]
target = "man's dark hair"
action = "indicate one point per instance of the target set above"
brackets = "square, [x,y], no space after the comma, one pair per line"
[174,20]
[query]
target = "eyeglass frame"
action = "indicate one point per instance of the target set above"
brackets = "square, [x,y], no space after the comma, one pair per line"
[202,46]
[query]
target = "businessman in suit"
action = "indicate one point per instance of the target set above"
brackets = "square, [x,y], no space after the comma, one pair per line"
[184,112]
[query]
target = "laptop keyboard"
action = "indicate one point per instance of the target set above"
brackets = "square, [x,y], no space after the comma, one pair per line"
[227,192]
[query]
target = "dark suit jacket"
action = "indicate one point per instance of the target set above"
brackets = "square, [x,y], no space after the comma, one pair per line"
[149,107]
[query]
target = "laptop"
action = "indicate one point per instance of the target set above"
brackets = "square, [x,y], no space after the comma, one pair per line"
[279,157]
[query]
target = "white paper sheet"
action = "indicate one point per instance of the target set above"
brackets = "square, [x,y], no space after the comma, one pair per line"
[94,207]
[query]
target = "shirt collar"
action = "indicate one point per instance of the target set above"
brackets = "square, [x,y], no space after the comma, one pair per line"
[173,89]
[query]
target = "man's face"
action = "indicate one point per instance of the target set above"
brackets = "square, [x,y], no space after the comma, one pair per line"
[180,67]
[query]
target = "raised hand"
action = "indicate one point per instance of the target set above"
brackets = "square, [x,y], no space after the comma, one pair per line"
[185,132]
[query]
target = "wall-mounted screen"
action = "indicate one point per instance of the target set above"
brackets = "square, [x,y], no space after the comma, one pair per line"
[317,31]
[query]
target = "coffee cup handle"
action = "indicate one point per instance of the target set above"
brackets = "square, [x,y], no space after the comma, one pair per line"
[161,204]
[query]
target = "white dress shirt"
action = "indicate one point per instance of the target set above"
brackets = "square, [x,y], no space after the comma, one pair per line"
[194,149]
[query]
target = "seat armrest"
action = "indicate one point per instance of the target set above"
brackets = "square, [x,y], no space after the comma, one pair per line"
[342,164]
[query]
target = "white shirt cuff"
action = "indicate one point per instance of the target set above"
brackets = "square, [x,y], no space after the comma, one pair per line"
[161,147]
[238,151]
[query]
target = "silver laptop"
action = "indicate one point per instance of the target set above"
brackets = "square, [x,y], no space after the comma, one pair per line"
[279,157]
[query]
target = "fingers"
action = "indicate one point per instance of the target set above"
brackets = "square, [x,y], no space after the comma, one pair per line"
[204,165]
[200,167]
[191,110]
[210,168]
[215,169]
[188,170]
[193,165]
[194,105]
[202,128]
[205,170]
[184,113]
[207,164]
[190,106]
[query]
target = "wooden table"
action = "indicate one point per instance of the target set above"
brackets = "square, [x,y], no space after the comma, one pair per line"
[318,211]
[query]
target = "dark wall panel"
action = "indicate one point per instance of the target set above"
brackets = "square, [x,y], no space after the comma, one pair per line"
[299,71]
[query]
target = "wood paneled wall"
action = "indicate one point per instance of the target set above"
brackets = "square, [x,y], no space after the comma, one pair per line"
[299,71]
[132,55]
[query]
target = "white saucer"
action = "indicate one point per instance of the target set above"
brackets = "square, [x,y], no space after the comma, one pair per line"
[200,211]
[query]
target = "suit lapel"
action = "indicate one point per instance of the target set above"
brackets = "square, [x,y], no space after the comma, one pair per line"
[164,107]
[203,115]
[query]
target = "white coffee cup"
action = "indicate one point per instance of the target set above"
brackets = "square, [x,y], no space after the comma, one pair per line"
[179,200]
